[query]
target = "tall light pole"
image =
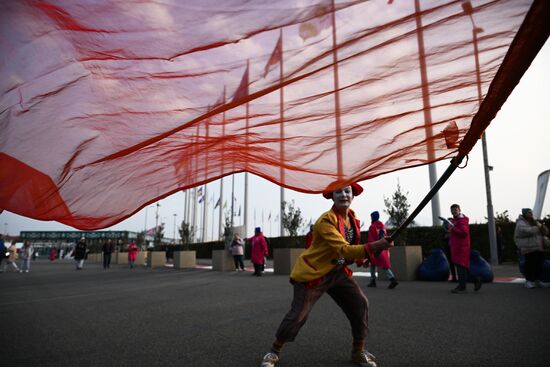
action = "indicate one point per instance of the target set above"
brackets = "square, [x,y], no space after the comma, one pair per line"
[175,215]
[145,225]
[432,169]
[467,7]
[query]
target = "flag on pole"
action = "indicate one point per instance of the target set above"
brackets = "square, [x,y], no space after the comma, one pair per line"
[152,231]
[242,90]
[322,20]
[200,195]
[276,57]
[542,185]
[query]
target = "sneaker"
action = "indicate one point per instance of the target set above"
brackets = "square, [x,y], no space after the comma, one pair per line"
[270,360]
[372,283]
[393,284]
[540,284]
[477,284]
[363,358]
[529,285]
[459,290]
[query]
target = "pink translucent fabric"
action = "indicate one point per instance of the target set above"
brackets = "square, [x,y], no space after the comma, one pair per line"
[106,106]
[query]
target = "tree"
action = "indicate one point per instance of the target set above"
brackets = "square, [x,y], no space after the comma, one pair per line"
[141,238]
[502,218]
[227,229]
[186,232]
[292,218]
[159,234]
[397,207]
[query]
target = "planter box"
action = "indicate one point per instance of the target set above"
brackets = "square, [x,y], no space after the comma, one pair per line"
[222,261]
[141,258]
[95,258]
[156,259]
[122,258]
[284,259]
[185,259]
[405,261]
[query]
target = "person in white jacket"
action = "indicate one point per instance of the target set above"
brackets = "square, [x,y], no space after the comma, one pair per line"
[26,255]
[529,236]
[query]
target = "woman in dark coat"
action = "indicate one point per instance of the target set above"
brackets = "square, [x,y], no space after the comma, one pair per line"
[80,253]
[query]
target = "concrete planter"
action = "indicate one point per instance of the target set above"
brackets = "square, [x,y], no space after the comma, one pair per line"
[222,261]
[284,259]
[122,258]
[156,259]
[405,261]
[185,259]
[141,258]
[94,258]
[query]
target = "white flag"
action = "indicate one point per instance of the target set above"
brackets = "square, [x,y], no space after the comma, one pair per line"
[542,185]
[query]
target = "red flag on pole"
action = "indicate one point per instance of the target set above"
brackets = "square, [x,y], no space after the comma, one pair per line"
[275,58]
[242,90]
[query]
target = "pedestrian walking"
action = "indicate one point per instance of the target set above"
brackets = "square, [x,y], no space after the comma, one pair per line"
[447,246]
[3,253]
[53,253]
[322,268]
[237,250]
[26,255]
[377,230]
[12,257]
[258,251]
[459,242]
[80,253]
[108,248]
[529,236]
[132,253]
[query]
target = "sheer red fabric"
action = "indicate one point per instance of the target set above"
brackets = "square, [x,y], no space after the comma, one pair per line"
[108,106]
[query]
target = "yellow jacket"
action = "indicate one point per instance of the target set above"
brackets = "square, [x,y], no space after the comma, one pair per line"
[327,247]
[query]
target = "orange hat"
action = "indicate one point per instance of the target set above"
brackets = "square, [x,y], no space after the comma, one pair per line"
[356,189]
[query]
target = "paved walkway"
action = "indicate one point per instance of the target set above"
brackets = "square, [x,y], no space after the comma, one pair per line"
[57,316]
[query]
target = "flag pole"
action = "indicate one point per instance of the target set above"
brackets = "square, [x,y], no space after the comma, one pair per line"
[282,131]
[432,169]
[232,202]
[205,193]
[339,165]
[222,168]
[245,223]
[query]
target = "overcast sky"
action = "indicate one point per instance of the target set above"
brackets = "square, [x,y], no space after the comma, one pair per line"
[518,150]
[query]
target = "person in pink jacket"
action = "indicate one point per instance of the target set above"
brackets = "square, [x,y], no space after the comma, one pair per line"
[459,242]
[377,230]
[132,253]
[258,251]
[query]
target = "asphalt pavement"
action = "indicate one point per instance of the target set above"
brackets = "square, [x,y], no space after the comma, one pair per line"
[58,316]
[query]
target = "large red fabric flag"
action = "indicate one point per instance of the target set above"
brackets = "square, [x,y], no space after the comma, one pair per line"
[102,104]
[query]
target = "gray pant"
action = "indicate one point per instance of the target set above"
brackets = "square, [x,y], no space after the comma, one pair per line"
[343,290]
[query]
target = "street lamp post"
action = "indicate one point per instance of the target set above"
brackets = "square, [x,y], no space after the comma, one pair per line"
[175,215]
[468,10]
